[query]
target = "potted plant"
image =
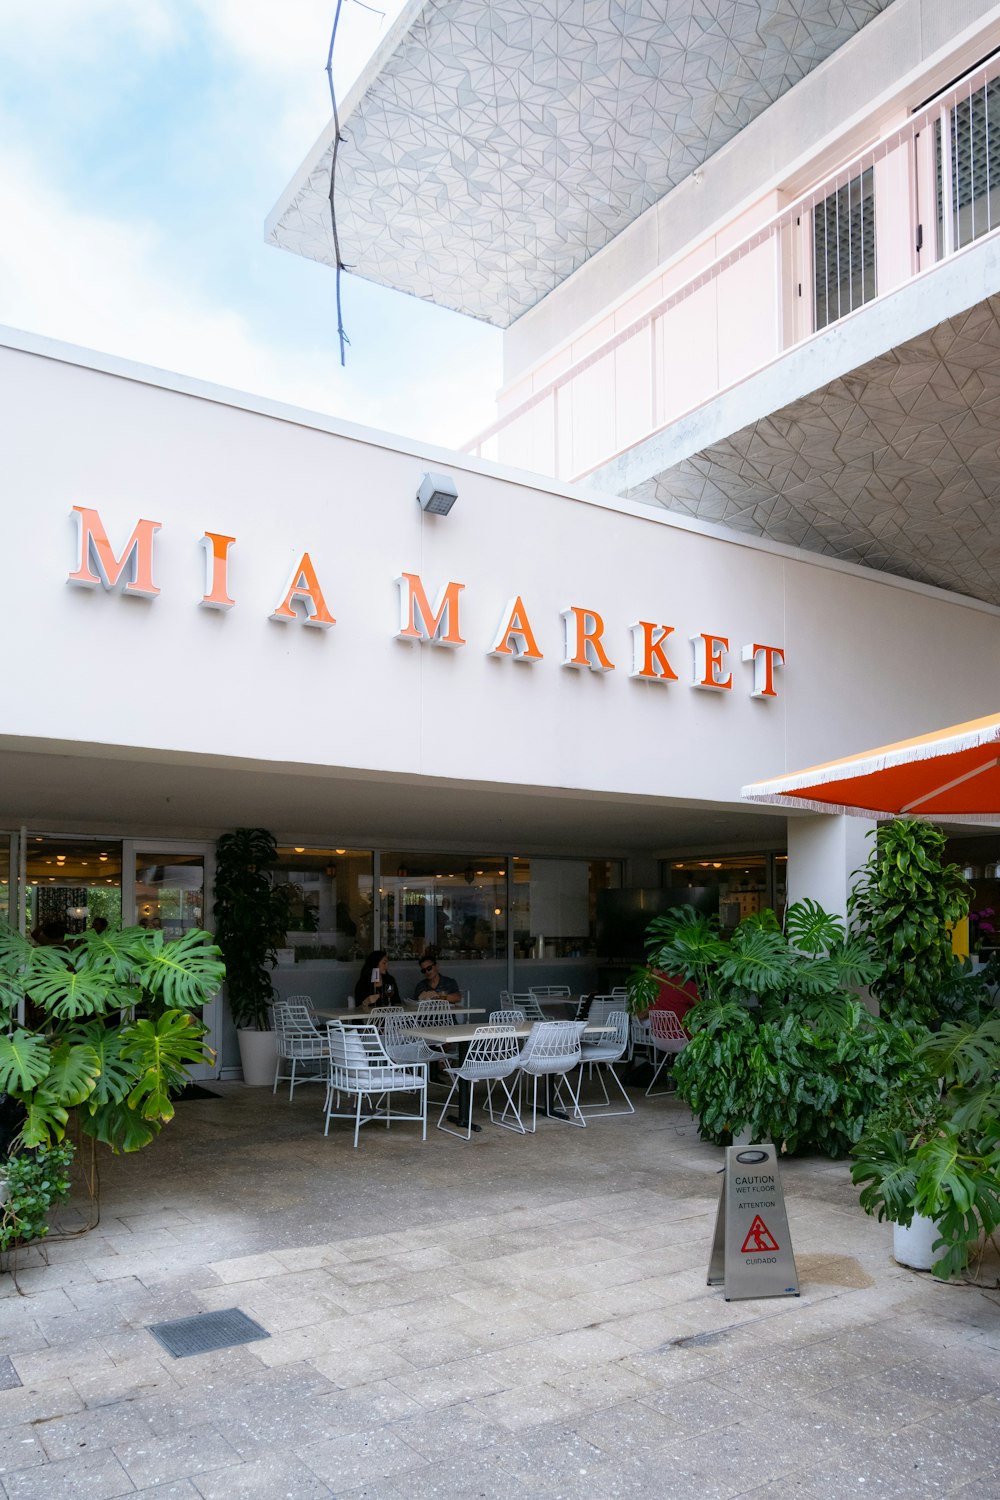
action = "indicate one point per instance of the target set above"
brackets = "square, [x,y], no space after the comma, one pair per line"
[251,915]
[781,1048]
[906,902]
[112,1030]
[929,1158]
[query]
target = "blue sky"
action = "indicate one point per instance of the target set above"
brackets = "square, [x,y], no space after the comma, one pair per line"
[142,144]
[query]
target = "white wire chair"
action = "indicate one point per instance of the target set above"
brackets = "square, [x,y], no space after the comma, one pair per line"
[400,1043]
[359,1066]
[552,1051]
[603,1051]
[494,1056]
[550,991]
[602,1006]
[507,1018]
[526,1002]
[668,1037]
[297,1040]
[436,1012]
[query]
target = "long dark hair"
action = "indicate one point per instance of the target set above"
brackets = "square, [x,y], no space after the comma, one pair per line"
[372,962]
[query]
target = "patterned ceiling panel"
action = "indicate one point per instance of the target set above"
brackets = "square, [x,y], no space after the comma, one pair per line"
[896,465]
[504,142]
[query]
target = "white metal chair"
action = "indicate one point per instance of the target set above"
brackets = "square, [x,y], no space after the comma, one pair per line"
[507,1018]
[604,1051]
[360,1066]
[400,1043]
[494,1056]
[668,1037]
[297,1040]
[435,1012]
[552,1050]
[526,1002]
[602,1006]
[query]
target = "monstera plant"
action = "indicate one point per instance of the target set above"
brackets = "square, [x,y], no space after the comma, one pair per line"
[110,1026]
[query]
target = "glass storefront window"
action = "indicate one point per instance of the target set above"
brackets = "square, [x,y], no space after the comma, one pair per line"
[736,885]
[70,883]
[554,905]
[453,903]
[329,896]
[170,892]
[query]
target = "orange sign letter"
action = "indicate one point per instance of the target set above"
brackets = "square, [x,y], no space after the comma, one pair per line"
[304,585]
[216,549]
[649,660]
[135,565]
[516,638]
[764,659]
[418,622]
[584,646]
[709,662]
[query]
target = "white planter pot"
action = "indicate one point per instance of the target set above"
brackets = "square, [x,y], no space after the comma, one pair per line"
[912,1246]
[258,1056]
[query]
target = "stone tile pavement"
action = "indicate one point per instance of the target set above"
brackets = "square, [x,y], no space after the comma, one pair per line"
[505,1319]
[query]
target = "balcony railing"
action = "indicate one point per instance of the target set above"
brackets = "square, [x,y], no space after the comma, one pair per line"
[916,197]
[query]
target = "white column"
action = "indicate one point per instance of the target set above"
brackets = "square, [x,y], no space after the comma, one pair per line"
[823,852]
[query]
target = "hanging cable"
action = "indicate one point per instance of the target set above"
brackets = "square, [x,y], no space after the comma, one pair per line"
[341,332]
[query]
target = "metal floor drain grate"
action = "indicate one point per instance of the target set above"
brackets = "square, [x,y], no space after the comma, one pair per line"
[206,1331]
[9,1378]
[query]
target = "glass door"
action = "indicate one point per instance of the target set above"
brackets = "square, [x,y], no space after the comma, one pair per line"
[170,895]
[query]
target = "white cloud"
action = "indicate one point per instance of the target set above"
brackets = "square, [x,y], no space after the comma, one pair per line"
[108,285]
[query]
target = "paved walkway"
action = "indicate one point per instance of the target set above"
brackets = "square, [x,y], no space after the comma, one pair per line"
[507,1319]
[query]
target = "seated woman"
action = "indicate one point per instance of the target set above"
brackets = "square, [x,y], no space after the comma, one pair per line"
[376,986]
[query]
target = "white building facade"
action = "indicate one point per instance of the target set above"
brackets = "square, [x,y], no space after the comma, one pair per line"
[749,524]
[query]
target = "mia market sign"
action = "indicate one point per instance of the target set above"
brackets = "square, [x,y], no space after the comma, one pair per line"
[436,623]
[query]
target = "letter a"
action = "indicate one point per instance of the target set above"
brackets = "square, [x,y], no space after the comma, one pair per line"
[304,586]
[516,638]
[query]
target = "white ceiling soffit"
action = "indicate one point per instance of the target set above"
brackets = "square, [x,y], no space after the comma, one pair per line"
[493,146]
[893,466]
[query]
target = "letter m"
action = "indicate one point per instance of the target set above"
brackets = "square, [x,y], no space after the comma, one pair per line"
[419,622]
[131,573]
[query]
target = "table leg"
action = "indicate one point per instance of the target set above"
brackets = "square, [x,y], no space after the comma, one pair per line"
[464,1099]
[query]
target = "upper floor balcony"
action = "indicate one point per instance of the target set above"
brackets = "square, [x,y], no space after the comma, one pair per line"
[742,300]
[829,377]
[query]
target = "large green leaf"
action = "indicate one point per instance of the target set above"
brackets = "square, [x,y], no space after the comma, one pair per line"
[55,983]
[24,1061]
[812,929]
[45,1120]
[161,1051]
[119,1127]
[184,974]
[117,1076]
[74,1072]
[15,950]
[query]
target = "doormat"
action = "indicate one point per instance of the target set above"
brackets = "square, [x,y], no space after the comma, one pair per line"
[206,1332]
[193,1091]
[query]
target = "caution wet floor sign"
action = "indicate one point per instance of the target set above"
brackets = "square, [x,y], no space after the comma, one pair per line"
[752,1249]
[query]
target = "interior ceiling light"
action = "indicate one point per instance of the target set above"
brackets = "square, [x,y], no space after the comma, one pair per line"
[298,850]
[340,851]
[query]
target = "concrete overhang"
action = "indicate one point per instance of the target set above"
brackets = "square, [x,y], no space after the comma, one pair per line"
[492,147]
[877,442]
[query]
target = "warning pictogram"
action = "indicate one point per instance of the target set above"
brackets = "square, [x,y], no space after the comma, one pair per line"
[759,1238]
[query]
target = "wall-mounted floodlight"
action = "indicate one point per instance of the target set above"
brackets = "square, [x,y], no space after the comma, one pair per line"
[437,494]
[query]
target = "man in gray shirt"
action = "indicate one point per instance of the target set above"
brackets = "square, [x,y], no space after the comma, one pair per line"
[434,985]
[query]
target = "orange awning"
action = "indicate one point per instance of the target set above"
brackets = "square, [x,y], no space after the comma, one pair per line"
[952,773]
